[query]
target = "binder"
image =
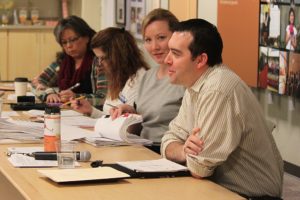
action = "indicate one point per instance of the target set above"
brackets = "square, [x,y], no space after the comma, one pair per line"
[138,174]
[151,168]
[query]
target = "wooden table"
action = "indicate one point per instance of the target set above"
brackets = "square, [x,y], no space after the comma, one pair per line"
[27,183]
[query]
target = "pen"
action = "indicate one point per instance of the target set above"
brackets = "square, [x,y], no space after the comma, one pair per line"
[111,105]
[74,86]
[68,102]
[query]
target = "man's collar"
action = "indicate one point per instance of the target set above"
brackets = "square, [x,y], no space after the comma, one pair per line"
[199,83]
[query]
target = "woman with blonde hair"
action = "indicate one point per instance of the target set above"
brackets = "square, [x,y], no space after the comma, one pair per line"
[157,101]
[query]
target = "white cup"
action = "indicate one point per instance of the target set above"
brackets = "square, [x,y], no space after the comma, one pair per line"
[66,155]
[21,86]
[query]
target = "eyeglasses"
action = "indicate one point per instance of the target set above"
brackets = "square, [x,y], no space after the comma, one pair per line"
[70,41]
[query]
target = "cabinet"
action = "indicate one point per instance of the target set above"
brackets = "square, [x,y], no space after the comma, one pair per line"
[3,54]
[28,52]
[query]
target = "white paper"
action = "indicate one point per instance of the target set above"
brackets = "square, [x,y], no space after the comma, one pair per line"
[24,150]
[18,157]
[117,129]
[159,165]
[19,160]
[79,121]
[63,113]
[8,114]
[13,97]
[72,133]
[275,21]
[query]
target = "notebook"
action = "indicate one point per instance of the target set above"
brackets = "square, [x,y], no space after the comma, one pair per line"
[119,131]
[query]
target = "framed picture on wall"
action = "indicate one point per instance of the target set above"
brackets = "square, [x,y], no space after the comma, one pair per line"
[121,12]
[136,10]
[279,47]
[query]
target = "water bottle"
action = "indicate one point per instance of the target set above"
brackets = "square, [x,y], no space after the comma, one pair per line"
[51,128]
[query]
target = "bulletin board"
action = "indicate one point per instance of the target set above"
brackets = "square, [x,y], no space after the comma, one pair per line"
[238,25]
[279,47]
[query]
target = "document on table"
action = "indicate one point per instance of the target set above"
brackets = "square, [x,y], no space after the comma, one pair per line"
[159,165]
[8,114]
[73,133]
[20,157]
[68,117]
[63,113]
[13,97]
[120,129]
[20,130]
[20,160]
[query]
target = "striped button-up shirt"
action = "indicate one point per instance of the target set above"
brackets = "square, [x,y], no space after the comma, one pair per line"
[239,150]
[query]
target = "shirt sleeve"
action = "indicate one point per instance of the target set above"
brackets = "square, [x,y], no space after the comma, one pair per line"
[49,76]
[178,131]
[220,123]
[220,129]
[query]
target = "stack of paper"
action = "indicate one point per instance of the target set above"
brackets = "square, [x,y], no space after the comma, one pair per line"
[118,131]
[20,130]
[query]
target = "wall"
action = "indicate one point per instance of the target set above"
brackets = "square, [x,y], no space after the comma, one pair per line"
[283,111]
[92,6]
[287,132]
[208,10]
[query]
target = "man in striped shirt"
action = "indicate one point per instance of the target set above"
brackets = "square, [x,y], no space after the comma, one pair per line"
[220,131]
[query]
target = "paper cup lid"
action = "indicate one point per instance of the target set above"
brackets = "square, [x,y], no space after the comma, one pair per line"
[21,79]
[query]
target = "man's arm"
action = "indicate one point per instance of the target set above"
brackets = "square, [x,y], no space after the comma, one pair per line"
[178,151]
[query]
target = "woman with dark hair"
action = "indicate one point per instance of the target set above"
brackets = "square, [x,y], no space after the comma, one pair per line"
[124,66]
[74,64]
[291,31]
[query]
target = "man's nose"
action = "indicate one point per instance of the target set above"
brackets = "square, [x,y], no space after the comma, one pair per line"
[168,59]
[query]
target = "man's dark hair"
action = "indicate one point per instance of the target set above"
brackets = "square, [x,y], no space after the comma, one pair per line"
[206,39]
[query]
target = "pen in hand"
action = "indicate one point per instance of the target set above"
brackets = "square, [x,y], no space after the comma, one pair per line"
[69,102]
[74,86]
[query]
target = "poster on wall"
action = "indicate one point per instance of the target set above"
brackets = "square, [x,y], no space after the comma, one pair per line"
[120,12]
[279,47]
[136,10]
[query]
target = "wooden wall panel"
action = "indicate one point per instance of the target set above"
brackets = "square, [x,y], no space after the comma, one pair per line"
[238,23]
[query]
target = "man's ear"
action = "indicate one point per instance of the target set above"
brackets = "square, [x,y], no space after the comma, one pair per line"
[201,60]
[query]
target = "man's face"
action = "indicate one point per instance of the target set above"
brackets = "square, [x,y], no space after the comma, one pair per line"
[182,69]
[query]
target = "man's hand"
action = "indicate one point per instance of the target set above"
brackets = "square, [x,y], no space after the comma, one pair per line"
[193,145]
[178,152]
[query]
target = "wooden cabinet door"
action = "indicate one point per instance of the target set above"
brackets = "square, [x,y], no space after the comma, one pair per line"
[23,53]
[3,55]
[48,49]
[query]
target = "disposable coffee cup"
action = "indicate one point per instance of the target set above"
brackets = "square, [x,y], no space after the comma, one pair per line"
[21,86]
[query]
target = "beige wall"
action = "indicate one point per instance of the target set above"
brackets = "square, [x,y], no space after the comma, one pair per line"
[287,132]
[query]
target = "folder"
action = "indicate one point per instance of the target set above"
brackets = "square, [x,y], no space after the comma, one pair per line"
[151,168]
[83,175]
